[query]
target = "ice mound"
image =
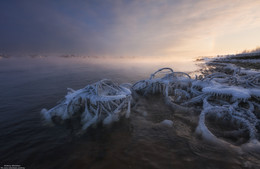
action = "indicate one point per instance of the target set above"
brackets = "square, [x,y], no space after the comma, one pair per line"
[102,101]
[167,123]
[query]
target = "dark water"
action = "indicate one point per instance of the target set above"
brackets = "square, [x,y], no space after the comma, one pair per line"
[29,84]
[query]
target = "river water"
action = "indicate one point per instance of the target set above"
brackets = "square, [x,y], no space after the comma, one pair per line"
[28,84]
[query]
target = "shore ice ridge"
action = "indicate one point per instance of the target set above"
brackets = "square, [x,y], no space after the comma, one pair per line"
[229,98]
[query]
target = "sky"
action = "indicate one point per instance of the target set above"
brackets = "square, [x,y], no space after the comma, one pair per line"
[141,28]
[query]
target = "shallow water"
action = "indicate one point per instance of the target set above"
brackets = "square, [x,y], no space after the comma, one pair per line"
[30,84]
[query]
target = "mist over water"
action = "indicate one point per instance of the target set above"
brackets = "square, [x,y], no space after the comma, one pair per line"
[30,84]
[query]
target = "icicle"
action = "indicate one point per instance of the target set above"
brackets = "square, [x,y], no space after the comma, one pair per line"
[128,109]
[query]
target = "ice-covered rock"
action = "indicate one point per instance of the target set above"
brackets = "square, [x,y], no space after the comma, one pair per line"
[167,123]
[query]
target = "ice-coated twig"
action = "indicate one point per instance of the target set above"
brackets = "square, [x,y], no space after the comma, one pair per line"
[226,97]
[231,97]
[101,101]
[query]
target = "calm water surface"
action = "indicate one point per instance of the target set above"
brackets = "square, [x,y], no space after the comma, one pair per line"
[29,84]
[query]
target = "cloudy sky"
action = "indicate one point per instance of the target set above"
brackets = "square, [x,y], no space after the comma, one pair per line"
[150,28]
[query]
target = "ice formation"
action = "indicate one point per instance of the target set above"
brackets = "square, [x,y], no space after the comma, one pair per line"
[230,98]
[167,123]
[102,101]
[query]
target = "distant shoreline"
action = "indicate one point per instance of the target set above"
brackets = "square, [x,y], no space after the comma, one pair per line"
[247,60]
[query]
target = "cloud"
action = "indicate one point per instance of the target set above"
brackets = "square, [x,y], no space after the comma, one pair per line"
[121,27]
[183,26]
